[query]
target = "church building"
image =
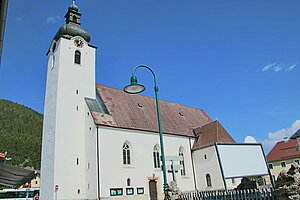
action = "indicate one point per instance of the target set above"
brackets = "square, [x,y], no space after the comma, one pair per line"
[102,143]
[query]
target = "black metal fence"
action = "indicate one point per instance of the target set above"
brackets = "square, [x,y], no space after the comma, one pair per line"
[251,194]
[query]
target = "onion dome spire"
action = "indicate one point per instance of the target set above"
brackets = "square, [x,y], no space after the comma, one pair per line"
[72,27]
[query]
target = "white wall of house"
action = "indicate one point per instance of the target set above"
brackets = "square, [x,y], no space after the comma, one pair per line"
[233,182]
[64,138]
[113,174]
[206,162]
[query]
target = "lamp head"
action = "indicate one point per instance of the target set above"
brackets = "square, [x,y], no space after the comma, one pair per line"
[134,87]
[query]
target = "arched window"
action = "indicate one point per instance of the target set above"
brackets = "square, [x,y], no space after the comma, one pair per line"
[156,156]
[77,57]
[126,154]
[181,153]
[74,18]
[208,180]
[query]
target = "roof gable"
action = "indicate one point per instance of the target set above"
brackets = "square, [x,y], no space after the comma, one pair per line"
[139,112]
[296,135]
[211,133]
[283,150]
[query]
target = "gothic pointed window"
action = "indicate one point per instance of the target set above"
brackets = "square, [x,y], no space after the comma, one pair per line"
[208,180]
[181,153]
[126,154]
[77,57]
[156,157]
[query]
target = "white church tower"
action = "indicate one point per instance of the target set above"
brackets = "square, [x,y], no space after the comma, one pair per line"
[67,139]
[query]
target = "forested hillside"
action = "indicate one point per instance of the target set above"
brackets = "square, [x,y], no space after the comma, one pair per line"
[20,134]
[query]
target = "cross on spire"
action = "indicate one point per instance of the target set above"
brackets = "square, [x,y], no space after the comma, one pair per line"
[74,2]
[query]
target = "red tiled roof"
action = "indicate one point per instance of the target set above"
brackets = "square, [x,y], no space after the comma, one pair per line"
[124,112]
[211,133]
[283,150]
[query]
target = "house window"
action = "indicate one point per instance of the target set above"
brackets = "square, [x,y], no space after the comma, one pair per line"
[208,180]
[126,154]
[181,153]
[283,164]
[156,156]
[270,166]
[77,57]
[297,161]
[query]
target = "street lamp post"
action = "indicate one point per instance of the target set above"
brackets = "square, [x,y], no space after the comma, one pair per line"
[135,88]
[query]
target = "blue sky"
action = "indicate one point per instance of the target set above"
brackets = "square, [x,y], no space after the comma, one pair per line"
[237,60]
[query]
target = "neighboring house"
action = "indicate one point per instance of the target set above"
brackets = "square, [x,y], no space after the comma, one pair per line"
[13,176]
[100,142]
[34,183]
[206,158]
[297,137]
[282,156]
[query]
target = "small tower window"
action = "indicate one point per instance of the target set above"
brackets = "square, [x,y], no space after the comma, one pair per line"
[77,57]
[74,18]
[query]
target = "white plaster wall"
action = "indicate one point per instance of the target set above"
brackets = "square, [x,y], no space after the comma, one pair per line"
[49,124]
[64,131]
[233,182]
[91,156]
[114,174]
[210,165]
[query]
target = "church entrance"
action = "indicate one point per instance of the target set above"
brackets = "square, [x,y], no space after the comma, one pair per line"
[153,190]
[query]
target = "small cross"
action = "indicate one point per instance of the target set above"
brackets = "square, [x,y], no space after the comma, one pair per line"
[74,1]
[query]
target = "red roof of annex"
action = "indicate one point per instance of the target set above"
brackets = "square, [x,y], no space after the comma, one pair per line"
[284,150]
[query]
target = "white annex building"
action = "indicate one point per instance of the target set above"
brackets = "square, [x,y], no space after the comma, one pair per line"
[102,143]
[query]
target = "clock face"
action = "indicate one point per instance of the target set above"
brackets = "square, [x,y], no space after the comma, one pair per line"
[78,42]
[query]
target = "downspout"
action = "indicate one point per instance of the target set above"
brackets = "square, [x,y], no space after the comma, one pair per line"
[98,172]
[194,176]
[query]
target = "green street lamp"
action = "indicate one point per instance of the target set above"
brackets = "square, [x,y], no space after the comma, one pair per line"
[135,88]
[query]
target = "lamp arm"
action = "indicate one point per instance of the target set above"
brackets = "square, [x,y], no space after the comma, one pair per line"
[154,76]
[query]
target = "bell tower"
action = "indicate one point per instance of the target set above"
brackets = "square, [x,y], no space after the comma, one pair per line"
[66,143]
[73,16]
